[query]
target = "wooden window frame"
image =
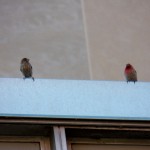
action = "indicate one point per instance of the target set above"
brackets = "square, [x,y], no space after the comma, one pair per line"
[59,137]
[131,142]
[43,141]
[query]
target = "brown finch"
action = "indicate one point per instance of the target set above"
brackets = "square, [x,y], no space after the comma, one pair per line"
[130,73]
[26,68]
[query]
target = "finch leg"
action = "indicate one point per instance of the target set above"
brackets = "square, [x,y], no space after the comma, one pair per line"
[33,78]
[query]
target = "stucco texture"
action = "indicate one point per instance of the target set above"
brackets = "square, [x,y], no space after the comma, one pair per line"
[118,33]
[49,32]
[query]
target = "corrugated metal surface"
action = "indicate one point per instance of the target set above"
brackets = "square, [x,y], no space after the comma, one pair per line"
[74,99]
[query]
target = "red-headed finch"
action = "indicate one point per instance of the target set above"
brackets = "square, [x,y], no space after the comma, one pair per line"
[26,68]
[130,73]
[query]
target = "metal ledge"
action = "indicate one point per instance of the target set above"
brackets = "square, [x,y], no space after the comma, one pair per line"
[74,99]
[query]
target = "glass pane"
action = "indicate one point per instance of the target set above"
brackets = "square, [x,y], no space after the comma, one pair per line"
[108,147]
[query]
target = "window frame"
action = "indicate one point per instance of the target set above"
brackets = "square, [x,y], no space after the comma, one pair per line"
[43,141]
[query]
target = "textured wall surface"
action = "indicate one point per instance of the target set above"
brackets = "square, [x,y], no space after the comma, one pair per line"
[49,32]
[118,33]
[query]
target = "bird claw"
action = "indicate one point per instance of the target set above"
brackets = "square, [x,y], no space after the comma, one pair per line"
[33,78]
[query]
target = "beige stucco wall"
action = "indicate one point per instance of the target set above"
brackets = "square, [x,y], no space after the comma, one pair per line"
[49,32]
[75,39]
[118,33]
